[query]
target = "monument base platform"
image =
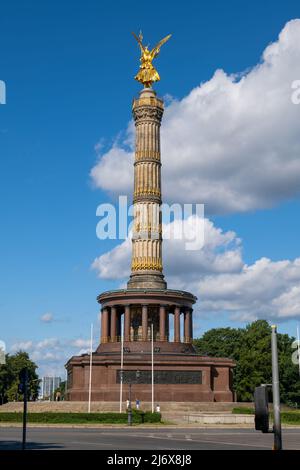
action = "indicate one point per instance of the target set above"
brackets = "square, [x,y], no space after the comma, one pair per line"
[178,377]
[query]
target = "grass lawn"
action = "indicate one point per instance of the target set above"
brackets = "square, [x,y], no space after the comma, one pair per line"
[138,417]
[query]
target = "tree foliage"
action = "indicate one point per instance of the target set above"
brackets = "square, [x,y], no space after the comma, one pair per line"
[250,348]
[9,377]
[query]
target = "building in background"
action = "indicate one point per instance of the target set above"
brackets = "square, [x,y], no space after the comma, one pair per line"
[48,386]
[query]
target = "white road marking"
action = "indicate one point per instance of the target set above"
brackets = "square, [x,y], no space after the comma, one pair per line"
[90,443]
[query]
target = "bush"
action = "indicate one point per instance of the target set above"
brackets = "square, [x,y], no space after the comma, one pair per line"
[81,418]
[287,417]
[243,411]
[148,416]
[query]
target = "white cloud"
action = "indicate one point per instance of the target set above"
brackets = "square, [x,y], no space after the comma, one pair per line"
[22,346]
[266,289]
[49,343]
[114,264]
[80,343]
[221,252]
[233,143]
[47,318]
[83,351]
[114,170]
[50,354]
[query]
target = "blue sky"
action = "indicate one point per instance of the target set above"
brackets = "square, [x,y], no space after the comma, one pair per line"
[68,69]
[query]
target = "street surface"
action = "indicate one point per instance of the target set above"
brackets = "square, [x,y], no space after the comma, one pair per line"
[143,438]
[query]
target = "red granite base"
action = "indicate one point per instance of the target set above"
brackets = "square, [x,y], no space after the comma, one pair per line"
[216,377]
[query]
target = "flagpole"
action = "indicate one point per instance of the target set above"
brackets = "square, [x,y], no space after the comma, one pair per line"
[152,369]
[91,363]
[121,374]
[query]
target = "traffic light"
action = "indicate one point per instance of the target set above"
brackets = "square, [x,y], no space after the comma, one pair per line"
[261,409]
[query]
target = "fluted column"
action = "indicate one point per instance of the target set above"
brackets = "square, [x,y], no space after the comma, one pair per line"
[113,323]
[162,323]
[146,266]
[145,322]
[104,325]
[177,324]
[127,323]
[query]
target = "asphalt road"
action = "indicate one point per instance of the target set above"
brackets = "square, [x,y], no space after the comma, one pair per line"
[141,438]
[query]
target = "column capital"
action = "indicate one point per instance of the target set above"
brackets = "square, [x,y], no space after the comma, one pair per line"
[188,309]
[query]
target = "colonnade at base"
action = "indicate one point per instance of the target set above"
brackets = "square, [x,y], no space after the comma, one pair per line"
[140,319]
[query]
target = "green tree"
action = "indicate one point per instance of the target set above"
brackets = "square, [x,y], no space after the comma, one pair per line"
[9,377]
[221,342]
[250,348]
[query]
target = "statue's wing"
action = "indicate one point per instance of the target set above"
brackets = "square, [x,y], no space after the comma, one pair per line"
[139,42]
[156,49]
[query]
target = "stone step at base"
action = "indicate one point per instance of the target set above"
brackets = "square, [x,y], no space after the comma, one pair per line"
[207,418]
[176,407]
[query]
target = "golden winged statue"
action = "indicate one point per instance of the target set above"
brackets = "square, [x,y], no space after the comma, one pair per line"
[147,73]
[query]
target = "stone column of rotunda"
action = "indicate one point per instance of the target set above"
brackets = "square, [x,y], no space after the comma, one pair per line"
[111,323]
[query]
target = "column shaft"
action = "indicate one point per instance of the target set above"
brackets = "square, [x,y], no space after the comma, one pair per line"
[162,323]
[127,323]
[104,325]
[187,324]
[191,324]
[119,323]
[177,324]
[145,322]
[113,324]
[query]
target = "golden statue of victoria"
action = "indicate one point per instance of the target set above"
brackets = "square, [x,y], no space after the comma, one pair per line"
[147,73]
